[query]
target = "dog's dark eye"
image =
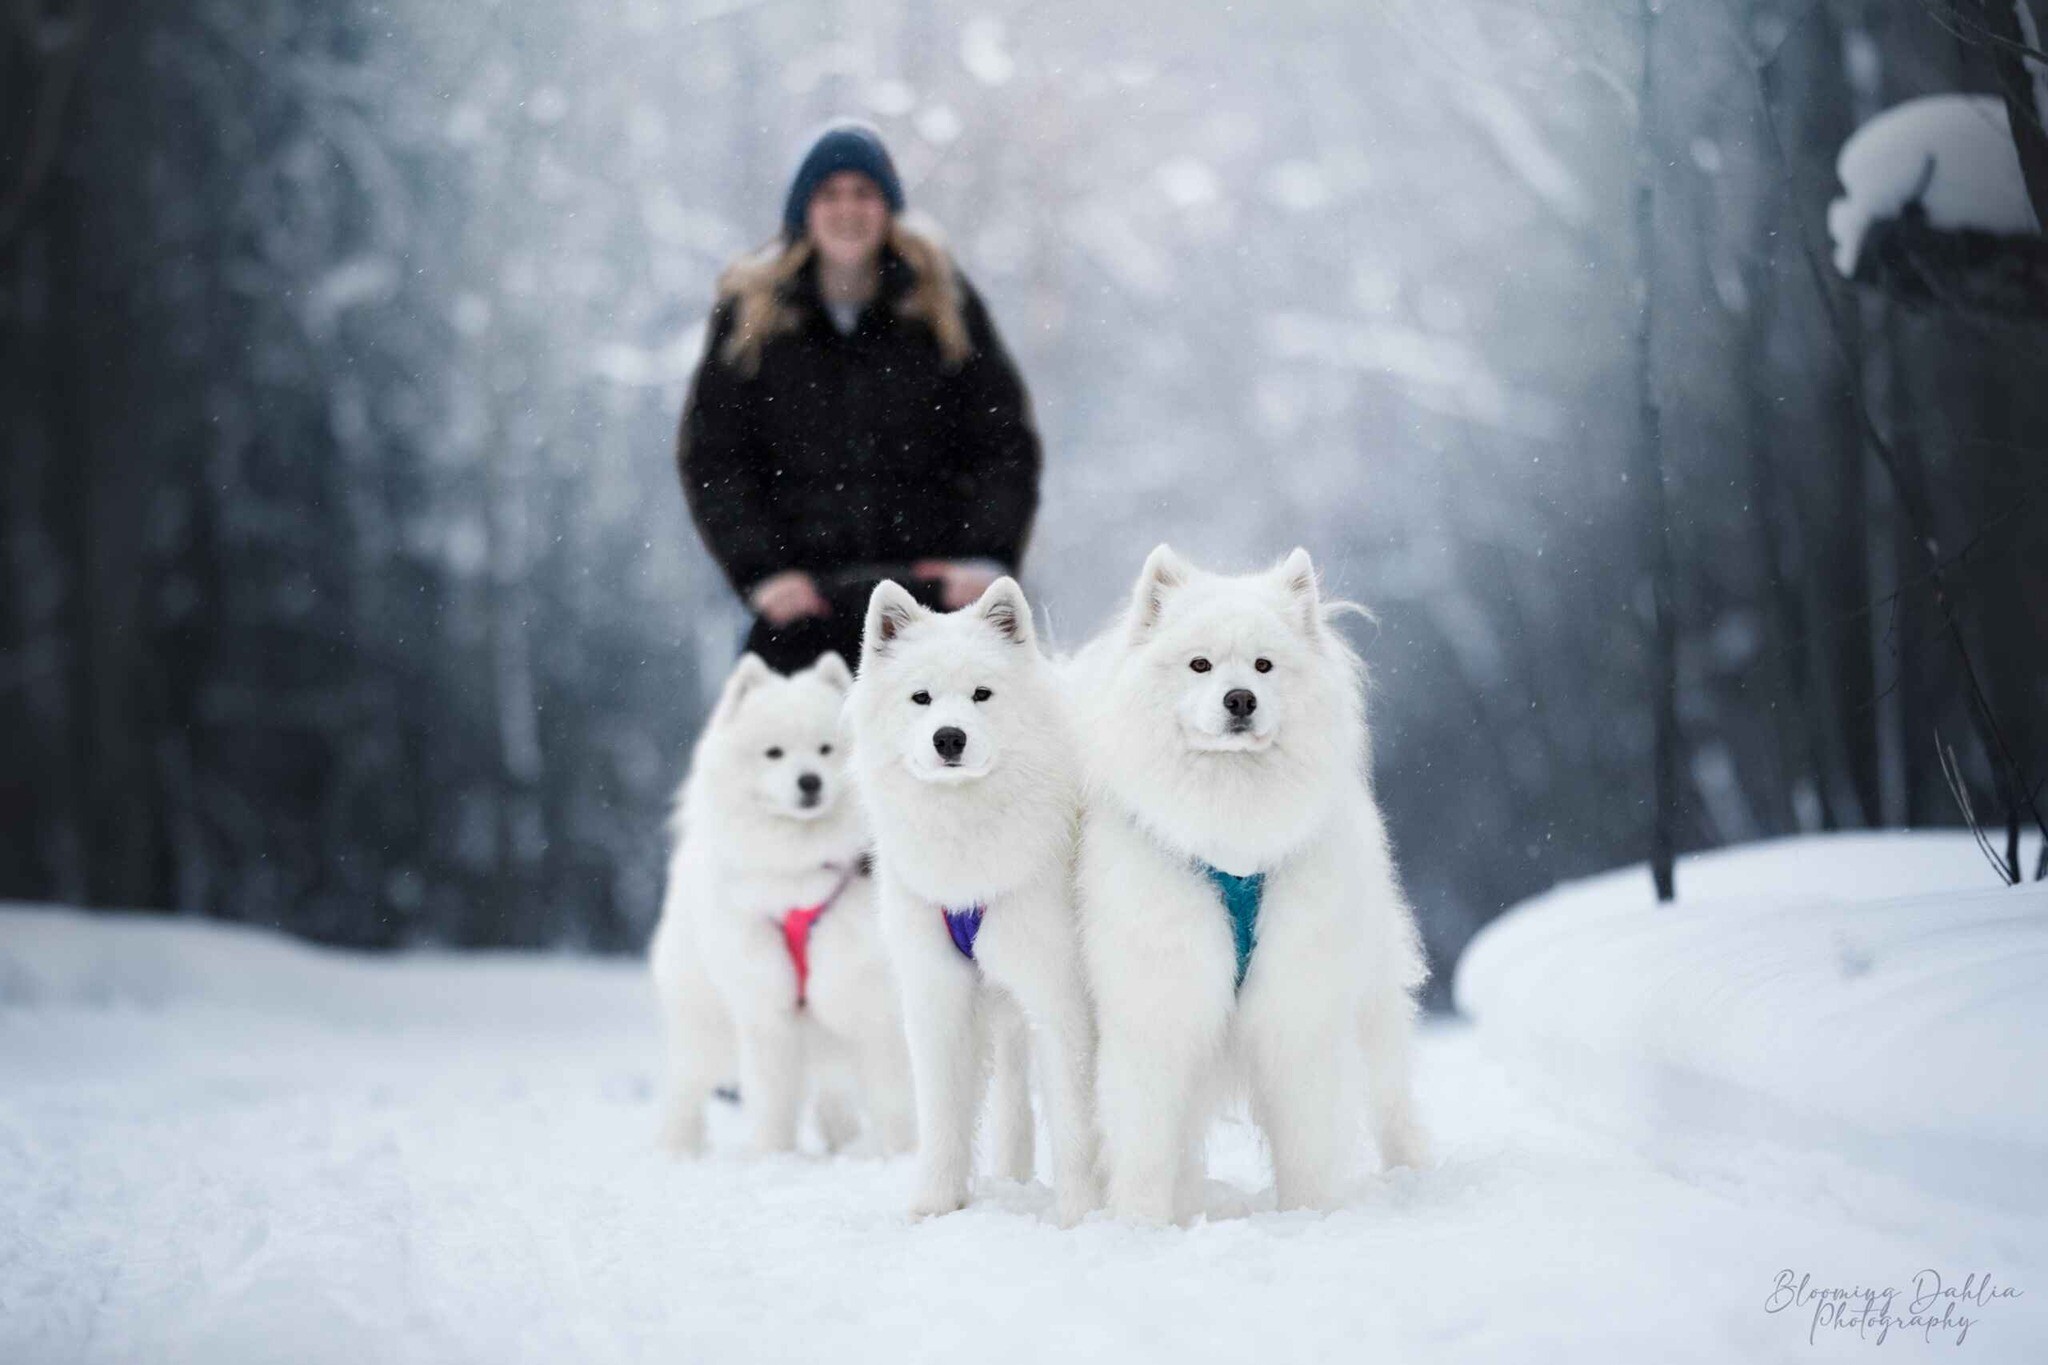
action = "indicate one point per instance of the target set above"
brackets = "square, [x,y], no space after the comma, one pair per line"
[1199,664]
[824,748]
[776,752]
[1263,665]
[921,698]
[982,694]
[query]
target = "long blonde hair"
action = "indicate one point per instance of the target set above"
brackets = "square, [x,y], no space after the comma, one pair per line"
[759,286]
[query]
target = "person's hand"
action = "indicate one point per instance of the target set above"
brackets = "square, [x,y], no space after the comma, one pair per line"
[787,596]
[959,582]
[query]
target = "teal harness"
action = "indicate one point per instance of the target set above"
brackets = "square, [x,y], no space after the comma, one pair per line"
[1241,897]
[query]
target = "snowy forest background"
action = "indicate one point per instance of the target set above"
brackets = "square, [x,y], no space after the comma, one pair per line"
[348,586]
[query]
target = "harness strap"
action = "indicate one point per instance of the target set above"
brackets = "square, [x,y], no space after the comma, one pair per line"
[1241,898]
[963,926]
[796,929]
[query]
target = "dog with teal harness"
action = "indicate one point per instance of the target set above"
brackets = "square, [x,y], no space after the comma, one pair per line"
[1230,834]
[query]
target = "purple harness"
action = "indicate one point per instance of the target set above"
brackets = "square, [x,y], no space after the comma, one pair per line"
[962,926]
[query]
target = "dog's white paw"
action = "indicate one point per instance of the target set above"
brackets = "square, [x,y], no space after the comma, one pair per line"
[681,1139]
[1077,1194]
[1071,1206]
[839,1127]
[1148,1208]
[936,1202]
[1405,1146]
[1299,1201]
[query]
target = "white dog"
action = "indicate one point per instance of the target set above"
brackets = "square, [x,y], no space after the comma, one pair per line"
[965,763]
[1241,917]
[768,957]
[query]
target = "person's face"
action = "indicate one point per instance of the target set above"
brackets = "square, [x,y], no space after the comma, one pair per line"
[848,219]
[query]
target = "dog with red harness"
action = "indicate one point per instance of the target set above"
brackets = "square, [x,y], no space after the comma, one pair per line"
[768,959]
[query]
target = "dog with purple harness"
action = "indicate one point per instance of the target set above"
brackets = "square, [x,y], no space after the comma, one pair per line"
[967,769]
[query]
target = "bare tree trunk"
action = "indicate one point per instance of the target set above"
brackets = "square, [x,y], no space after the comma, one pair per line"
[1649,472]
[103,516]
[1840,522]
[45,806]
[2011,26]
[1914,712]
[2009,613]
[1800,724]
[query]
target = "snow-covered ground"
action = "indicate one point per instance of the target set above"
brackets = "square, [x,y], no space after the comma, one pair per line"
[219,1146]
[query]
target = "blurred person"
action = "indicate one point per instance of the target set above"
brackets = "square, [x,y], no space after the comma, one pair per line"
[855,416]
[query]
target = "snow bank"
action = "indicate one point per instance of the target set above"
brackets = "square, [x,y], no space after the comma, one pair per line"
[122,997]
[1878,995]
[1954,154]
[59,957]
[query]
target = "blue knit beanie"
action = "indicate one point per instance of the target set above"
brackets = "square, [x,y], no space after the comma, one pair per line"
[844,146]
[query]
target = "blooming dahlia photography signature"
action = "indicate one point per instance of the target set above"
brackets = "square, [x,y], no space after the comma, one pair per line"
[1932,1306]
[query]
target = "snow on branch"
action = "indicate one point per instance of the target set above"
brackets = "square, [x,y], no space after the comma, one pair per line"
[1952,155]
[1936,209]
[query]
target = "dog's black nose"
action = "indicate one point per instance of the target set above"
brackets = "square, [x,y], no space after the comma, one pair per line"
[950,741]
[809,783]
[1240,702]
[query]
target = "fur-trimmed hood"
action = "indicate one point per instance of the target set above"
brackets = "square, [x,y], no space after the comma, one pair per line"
[772,289]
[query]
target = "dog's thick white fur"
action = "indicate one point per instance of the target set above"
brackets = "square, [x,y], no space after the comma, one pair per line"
[965,763]
[767,822]
[1223,723]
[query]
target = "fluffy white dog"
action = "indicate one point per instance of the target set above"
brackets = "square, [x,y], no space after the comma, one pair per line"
[1241,917]
[768,958]
[965,764]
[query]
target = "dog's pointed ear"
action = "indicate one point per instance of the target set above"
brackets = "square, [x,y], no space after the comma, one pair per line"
[749,673]
[1164,572]
[832,671]
[1297,575]
[1003,607]
[891,609]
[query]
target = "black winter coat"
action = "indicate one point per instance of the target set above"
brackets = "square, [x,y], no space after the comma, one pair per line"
[864,449]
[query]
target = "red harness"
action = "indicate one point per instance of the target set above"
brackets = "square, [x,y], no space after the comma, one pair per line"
[796,931]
